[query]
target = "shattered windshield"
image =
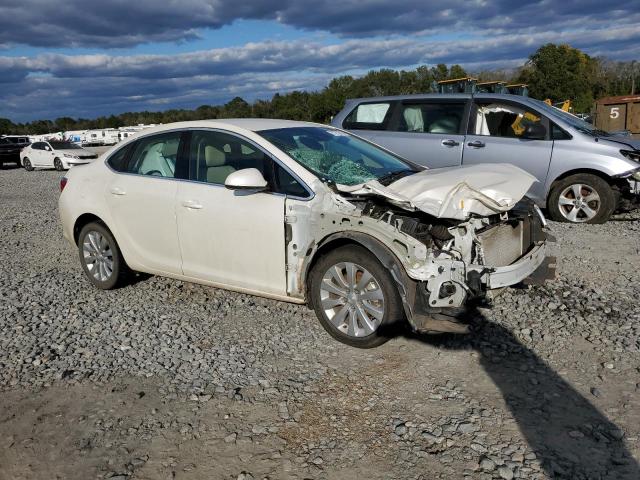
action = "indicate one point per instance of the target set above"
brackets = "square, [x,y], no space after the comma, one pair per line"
[337,156]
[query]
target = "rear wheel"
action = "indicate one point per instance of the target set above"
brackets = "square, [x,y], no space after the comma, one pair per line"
[26,163]
[57,163]
[100,257]
[581,198]
[354,297]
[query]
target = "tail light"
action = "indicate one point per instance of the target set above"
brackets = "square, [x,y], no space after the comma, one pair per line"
[63,183]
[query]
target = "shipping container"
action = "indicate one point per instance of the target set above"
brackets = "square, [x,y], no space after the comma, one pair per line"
[616,114]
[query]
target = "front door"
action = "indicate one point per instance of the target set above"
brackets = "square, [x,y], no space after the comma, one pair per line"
[231,237]
[495,137]
[142,198]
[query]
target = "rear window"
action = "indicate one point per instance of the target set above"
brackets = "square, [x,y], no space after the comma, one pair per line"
[368,116]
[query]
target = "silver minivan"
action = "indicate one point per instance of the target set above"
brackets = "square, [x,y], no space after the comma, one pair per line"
[584,174]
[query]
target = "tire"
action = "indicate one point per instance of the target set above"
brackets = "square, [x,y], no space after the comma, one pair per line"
[581,198]
[26,163]
[108,270]
[342,316]
[57,163]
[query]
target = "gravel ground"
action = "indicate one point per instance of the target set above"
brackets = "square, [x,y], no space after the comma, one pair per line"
[164,379]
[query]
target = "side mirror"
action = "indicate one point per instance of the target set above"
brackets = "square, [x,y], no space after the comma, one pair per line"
[534,131]
[246,179]
[47,148]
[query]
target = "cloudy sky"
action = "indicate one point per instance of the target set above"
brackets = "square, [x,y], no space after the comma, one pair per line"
[89,58]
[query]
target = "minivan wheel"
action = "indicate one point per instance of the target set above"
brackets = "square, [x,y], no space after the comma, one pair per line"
[58,164]
[100,257]
[354,297]
[581,198]
[26,163]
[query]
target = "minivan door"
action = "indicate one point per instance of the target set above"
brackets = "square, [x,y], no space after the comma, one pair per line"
[495,136]
[428,132]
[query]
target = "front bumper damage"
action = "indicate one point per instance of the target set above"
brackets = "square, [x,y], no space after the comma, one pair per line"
[438,304]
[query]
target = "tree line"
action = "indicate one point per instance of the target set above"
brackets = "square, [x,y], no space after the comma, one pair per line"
[558,72]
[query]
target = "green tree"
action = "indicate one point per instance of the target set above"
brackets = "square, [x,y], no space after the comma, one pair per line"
[560,72]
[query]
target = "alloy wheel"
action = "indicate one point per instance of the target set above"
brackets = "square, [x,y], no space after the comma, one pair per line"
[58,164]
[97,256]
[352,299]
[579,203]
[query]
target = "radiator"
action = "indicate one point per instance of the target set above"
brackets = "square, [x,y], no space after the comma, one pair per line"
[502,244]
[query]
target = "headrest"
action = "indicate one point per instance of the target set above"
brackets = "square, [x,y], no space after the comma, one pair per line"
[170,149]
[214,157]
[413,119]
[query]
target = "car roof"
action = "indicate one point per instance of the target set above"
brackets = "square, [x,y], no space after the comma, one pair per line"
[445,96]
[234,124]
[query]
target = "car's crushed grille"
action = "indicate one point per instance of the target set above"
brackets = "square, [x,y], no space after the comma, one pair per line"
[502,245]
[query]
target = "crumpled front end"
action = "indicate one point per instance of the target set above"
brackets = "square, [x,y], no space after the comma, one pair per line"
[439,265]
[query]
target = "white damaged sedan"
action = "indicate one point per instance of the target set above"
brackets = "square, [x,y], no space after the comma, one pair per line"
[306,213]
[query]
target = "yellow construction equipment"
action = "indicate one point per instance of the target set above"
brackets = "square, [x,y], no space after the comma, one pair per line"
[564,106]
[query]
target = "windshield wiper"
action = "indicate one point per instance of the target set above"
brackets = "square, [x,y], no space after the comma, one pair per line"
[391,177]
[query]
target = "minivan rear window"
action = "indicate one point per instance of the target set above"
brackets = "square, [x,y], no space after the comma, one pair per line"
[368,116]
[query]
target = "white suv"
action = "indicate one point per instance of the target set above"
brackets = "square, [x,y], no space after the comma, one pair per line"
[304,213]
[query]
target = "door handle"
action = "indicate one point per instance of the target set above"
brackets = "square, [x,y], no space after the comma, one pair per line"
[191,205]
[476,144]
[117,191]
[450,143]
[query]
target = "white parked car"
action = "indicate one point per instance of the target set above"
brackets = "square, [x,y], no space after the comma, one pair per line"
[56,154]
[305,213]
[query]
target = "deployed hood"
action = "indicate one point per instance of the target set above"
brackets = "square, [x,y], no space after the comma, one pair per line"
[455,192]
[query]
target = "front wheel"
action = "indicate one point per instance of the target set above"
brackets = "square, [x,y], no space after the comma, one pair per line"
[581,198]
[100,257]
[57,163]
[354,297]
[26,163]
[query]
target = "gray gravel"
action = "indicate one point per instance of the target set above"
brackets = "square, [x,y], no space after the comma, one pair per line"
[164,379]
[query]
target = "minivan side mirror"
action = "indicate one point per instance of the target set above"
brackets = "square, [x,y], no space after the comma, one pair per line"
[534,131]
[246,179]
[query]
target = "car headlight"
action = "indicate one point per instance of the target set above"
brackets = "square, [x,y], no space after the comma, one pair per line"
[633,155]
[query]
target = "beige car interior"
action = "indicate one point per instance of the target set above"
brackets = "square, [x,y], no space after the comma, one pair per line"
[159,158]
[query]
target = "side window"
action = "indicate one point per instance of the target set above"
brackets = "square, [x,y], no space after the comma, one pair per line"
[155,155]
[503,120]
[215,155]
[285,183]
[368,116]
[117,160]
[443,118]
[558,133]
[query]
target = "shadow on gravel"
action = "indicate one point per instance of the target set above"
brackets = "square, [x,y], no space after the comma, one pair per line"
[570,437]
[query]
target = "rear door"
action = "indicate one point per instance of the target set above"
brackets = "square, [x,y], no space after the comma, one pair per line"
[428,132]
[37,153]
[495,129]
[141,196]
